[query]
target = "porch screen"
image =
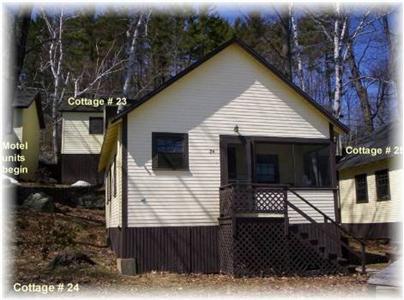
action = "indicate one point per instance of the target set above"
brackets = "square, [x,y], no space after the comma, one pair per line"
[312,165]
[300,165]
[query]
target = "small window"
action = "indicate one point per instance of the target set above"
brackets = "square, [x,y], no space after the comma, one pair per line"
[382,185]
[96,125]
[361,186]
[115,176]
[170,151]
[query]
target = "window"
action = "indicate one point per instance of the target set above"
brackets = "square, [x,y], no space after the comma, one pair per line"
[114,176]
[96,125]
[382,185]
[361,186]
[170,151]
[267,168]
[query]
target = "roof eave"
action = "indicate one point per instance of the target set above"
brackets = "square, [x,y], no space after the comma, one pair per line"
[110,138]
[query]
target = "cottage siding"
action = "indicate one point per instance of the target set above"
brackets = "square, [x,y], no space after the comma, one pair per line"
[374,211]
[114,207]
[322,199]
[26,129]
[31,135]
[230,89]
[76,138]
[18,122]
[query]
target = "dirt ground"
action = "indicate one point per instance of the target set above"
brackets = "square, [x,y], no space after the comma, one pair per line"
[36,238]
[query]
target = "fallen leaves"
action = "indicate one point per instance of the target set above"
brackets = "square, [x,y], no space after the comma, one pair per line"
[38,237]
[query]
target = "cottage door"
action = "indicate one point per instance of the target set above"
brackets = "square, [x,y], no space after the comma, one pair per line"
[235,160]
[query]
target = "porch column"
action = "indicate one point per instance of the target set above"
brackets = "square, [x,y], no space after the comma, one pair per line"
[250,158]
[333,173]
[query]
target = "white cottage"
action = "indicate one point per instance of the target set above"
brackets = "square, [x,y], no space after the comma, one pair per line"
[227,167]
[81,140]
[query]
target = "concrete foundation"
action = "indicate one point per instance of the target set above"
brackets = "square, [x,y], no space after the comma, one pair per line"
[126,266]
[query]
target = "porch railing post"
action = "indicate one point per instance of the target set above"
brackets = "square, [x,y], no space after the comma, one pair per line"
[285,207]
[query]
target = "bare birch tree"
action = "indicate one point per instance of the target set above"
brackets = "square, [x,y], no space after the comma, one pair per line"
[104,66]
[335,34]
[88,80]
[55,27]
[297,48]
[340,25]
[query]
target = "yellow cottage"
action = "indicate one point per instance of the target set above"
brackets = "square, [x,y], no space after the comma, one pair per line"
[370,185]
[22,144]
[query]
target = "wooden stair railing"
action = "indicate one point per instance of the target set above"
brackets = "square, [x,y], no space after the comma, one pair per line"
[361,257]
[226,207]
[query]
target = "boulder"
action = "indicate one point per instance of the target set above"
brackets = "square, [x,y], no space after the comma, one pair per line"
[91,200]
[40,202]
[69,258]
[81,183]
[7,180]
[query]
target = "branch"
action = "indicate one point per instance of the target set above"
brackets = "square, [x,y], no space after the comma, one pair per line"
[320,23]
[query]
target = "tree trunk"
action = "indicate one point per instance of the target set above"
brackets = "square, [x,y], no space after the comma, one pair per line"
[393,74]
[338,66]
[56,58]
[21,38]
[55,146]
[286,51]
[298,51]
[361,91]
[328,77]
[131,52]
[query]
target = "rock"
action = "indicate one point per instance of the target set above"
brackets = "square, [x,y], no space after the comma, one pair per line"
[70,258]
[47,180]
[7,180]
[40,202]
[81,183]
[91,201]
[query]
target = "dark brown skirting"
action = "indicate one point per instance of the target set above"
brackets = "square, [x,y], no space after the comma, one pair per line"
[114,236]
[76,167]
[173,249]
[375,230]
[238,246]
[124,186]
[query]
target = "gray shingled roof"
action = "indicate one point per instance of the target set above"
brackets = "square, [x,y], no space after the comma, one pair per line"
[382,137]
[24,97]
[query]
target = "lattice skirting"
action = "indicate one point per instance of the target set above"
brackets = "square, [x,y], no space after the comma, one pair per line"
[259,247]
